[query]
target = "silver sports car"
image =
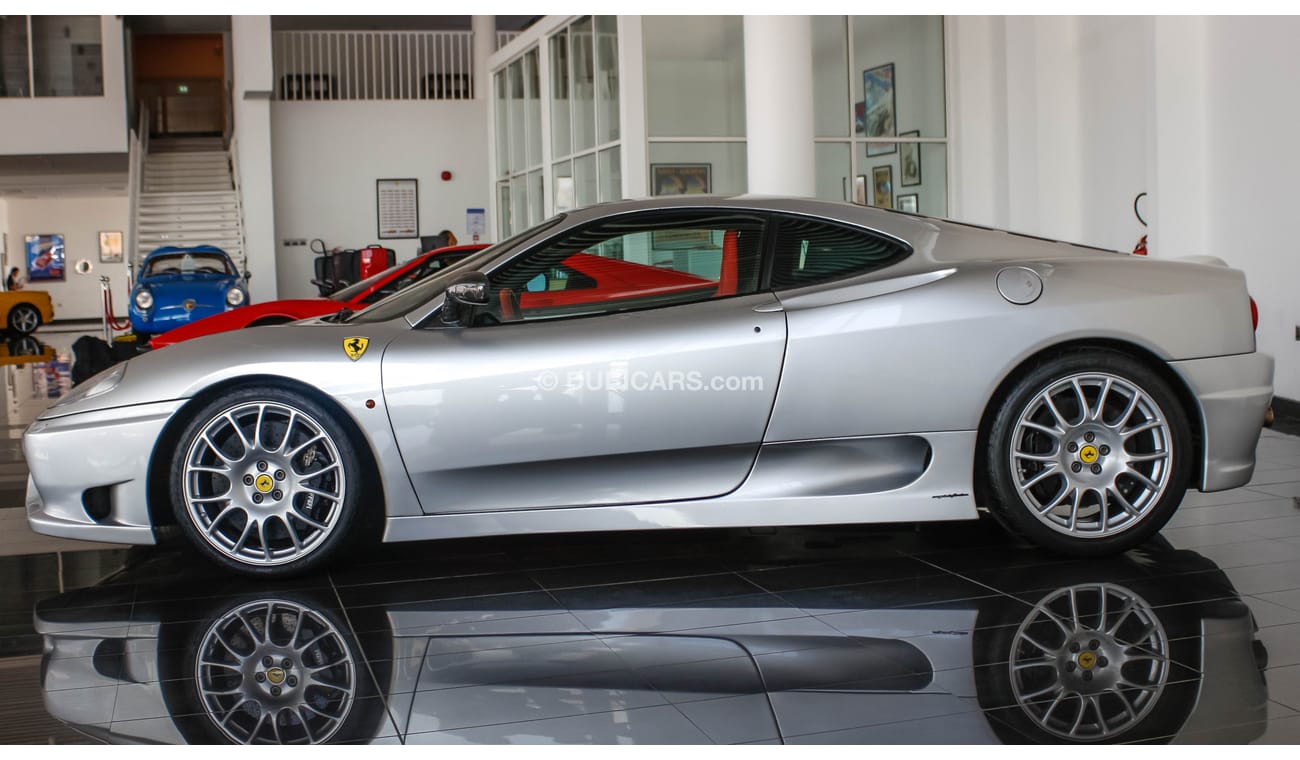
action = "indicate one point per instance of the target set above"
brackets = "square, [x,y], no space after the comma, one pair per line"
[685,362]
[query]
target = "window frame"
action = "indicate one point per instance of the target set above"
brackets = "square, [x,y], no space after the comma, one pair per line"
[636,218]
[779,218]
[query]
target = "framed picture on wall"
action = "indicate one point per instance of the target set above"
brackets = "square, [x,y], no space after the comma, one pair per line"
[860,189]
[881,110]
[44,257]
[397,205]
[908,203]
[681,179]
[110,246]
[882,186]
[909,160]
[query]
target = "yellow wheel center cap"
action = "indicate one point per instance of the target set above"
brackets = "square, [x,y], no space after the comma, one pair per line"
[264,483]
[275,676]
[1088,454]
[1087,660]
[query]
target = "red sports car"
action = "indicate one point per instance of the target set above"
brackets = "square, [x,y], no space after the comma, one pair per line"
[355,297]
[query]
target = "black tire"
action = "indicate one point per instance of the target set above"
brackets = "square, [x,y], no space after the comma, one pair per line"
[1107,501]
[283,503]
[24,319]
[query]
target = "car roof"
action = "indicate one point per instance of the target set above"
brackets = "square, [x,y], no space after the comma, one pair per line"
[166,249]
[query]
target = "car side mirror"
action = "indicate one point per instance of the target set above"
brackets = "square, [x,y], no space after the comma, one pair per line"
[463,296]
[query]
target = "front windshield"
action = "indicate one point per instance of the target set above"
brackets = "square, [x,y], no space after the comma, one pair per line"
[187,263]
[406,301]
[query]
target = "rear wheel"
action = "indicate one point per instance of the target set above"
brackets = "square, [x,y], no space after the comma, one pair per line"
[265,482]
[1089,454]
[24,319]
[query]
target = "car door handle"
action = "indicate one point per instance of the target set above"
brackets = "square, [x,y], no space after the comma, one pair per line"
[768,308]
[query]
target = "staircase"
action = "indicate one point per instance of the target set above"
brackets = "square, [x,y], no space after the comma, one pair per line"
[188,197]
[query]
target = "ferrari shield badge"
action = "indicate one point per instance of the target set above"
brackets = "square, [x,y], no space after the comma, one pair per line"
[355,347]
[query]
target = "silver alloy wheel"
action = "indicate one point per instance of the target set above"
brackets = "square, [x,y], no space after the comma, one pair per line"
[1091,455]
[275,672]
[264,483]
[25,319]
[1089,662]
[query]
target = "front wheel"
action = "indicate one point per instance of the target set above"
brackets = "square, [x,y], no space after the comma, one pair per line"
[265,482]
[24,319]
[1089,454]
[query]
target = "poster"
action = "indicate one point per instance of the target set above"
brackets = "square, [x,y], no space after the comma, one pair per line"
[110,246]
[878,92]
[398,204]
[44,257]
[475,223]
[681,179]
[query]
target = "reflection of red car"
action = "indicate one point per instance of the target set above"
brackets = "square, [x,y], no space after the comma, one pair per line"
[355,297]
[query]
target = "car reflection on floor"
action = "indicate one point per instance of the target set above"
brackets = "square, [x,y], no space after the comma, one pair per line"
[1153,645]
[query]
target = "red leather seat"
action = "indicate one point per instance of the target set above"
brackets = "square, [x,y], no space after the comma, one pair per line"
[728,276]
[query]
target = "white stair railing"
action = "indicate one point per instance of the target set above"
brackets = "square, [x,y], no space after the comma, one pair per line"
[389,65]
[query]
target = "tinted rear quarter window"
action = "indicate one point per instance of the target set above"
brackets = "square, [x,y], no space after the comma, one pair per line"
[810,251]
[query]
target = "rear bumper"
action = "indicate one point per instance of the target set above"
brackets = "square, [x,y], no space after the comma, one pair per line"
[1233,393]
[106,449]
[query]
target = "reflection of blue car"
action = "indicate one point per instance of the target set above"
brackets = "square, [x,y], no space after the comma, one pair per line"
[178,285]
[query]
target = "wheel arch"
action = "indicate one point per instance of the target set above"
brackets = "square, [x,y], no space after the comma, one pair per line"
[157,487]
[1186,399]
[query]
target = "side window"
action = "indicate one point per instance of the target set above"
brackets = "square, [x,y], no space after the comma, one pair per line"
[645,262]
[809,252]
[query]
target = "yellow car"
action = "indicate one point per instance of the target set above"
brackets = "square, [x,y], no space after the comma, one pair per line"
[22,311]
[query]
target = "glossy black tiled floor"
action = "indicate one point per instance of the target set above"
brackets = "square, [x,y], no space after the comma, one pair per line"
[949,634]
[944,634]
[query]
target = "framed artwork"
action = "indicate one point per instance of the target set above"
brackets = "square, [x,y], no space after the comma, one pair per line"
[878,91]
[689,239]
[859,118]
[44,257]
[882,186]
[397,205]
[110,246]
[860,189]
[909,160]
[908,203]
[681,179]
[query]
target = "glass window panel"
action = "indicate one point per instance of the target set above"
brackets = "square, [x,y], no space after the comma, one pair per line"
[13,57]
[584,179]
[584,84]
[503,122]
[607,78]
[561,129]
[808,252]
[909,95]
[727,163]
[834,182]
[830,76]
[66,56]
[518,140]
[611,175]
[695,76]
[535,197]
[503,210]
[564,197]
[519,203]
[661,260]
[532,109]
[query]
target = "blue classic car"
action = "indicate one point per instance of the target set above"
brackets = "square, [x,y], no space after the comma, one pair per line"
[178,285]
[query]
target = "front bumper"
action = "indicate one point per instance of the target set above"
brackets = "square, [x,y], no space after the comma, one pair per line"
[108,448]
[1233,393]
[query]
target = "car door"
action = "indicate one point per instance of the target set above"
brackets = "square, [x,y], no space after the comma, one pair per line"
[627,362]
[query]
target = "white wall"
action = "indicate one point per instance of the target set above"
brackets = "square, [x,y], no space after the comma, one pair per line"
[79,220]
[1058,122]
[327,156]
[84,124]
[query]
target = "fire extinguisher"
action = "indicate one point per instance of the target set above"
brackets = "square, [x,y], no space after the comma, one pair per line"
[1141,248]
